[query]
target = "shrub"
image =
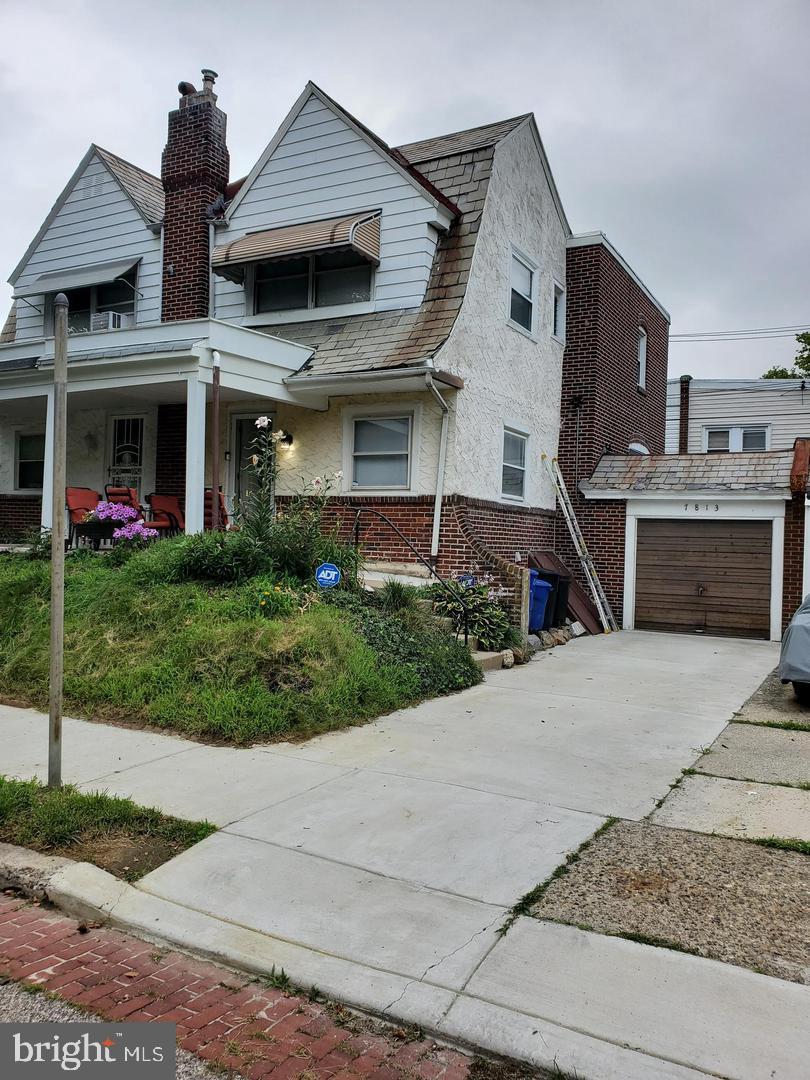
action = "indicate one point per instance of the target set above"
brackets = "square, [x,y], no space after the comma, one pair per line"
[397,596]
[40,544]
[220,556]
[487,620]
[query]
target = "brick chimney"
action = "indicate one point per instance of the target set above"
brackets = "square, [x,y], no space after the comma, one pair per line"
[194,172]
[683,416]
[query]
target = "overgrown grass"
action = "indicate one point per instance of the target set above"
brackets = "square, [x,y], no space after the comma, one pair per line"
[201,659]
[67,820]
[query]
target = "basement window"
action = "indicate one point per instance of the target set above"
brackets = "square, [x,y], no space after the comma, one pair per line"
[312,281]
[521,293]
[381,452]
[30,457]
[513,479]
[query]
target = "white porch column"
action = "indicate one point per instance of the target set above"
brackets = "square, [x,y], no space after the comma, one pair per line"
[630,542]
[47,475]
[195,454]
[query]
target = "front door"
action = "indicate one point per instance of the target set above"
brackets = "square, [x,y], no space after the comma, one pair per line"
[125,457]
[243,434]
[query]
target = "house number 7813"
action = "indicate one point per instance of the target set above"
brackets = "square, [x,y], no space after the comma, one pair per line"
[701,506]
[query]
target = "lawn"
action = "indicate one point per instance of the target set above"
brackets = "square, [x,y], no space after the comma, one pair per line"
[113,833]
[261,658]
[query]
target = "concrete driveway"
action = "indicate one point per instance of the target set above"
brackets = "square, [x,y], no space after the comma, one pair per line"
[379,862]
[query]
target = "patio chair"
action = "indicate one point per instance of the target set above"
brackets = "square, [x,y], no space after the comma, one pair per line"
[116,493]
[208,516]
[79,502]
[167,508]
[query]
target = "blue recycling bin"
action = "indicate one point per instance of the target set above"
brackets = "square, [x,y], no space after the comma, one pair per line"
[539,593]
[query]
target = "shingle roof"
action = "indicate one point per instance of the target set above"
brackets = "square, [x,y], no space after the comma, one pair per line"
[768,471]
[460,142]
[9,331]
[145,190]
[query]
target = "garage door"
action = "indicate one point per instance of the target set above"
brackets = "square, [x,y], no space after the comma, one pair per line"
[712,577]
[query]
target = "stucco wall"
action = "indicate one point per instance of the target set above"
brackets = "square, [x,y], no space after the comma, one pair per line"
[509,378]
[87,439]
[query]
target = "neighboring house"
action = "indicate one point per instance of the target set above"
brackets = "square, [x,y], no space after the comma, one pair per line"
[399,313]
[730,415]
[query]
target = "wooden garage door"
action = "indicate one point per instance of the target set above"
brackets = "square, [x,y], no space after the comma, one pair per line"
[712,577]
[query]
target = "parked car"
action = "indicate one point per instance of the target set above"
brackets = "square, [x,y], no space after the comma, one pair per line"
[794,659]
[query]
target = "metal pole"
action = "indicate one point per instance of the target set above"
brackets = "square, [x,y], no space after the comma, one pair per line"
[60,315]
[215,444]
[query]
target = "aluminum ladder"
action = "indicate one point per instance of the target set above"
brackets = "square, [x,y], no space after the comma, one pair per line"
[606,616]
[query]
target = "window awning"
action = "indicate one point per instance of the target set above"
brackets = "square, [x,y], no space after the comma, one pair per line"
[357,232]
[78,278]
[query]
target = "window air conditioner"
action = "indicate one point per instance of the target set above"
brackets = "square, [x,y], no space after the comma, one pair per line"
[111,320]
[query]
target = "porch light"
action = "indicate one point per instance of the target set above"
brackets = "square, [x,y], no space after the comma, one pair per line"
[285,438]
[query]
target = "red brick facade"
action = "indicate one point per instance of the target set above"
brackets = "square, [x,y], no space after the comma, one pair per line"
[170,450]
[194,172]
[603,409]
[19,515]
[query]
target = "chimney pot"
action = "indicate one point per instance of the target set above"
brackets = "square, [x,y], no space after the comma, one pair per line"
[209,78]
[186,88]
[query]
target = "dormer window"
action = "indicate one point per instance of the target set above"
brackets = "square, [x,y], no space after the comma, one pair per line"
[317,264]
[109,305]
[314,281]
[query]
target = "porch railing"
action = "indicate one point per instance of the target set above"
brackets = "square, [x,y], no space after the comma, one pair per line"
[454,593]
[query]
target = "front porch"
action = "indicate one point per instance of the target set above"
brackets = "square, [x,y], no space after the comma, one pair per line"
[139,410]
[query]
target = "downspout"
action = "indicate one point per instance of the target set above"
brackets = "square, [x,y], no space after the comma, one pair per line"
[437,505]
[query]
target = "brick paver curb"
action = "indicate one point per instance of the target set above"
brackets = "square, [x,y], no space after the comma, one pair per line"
[222,1017]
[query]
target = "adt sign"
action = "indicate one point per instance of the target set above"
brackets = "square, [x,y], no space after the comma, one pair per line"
[327,575]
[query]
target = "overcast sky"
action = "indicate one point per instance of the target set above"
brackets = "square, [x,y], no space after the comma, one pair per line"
[678,127]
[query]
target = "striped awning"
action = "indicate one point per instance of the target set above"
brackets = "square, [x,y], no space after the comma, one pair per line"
[357,232]
[63,280]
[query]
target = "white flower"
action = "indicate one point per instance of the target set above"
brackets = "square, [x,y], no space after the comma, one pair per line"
[263,422]
[317,482]
[276,436]
[339,474]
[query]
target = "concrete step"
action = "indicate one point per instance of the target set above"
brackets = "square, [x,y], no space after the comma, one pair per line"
[489,661]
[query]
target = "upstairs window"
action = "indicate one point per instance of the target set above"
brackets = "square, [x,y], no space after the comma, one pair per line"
[513,479]
[30,461]
[642,358]
[521,294]
[381,452]
[558,313]
[108,306]
[312,281]
[734,439]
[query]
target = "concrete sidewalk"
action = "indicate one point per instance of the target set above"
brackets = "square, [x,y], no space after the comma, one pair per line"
[380,862]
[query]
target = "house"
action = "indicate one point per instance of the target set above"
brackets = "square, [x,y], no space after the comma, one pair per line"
[729,415]
[400,313]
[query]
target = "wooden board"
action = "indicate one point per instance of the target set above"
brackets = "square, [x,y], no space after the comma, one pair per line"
[580,605]
[711,577]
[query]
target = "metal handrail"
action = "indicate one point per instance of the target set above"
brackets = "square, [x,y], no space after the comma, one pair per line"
[360,510]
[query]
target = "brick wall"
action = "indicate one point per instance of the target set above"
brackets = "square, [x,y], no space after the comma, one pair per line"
[170,450]
[794,554]
[476,536]
[19,514]
[194,172]
[603,409]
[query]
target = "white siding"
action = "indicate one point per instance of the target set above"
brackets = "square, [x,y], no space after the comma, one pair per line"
[322,168]
[779,404]
[97,223]
[509,378]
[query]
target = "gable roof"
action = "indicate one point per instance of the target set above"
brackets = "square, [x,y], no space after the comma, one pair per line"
[144,189]
[397,160]
[389,339]
[764,471]
[129,177]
